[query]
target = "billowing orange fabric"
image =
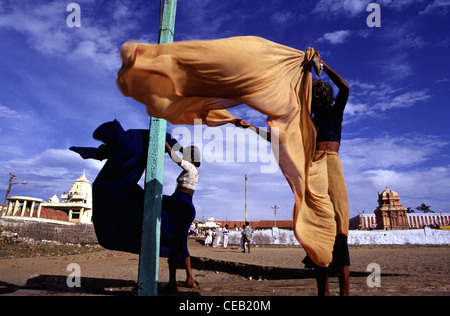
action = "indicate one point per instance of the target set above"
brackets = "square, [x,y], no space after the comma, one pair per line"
[183,81]
[337,191]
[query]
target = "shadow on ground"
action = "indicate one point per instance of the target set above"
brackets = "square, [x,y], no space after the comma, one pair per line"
[57,284]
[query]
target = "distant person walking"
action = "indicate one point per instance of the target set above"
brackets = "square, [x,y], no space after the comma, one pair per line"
[247,236]
[242,238]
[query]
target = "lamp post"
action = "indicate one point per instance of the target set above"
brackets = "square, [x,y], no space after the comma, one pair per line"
[246,179]
[11,183]
[275,208]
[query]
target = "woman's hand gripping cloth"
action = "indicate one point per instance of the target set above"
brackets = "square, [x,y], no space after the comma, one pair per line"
[184,81]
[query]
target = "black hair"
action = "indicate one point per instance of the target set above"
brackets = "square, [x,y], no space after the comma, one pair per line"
[325,92]
[194,155]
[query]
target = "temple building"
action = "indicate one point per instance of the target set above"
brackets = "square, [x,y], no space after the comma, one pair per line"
[74,207]
[390,214]
[77,204]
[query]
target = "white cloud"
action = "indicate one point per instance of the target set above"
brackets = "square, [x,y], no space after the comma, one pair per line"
[40,22]
[429,185]
[282,17]
[398,4]
[402,163]
[8,113]
[374,100]
[403,36]
[337,37]
[358,109]
[382,177]
[404,100]
[49,172]
[346,7]
[353,8]
[439,6]
[10,151]
[97,39]
[390,151]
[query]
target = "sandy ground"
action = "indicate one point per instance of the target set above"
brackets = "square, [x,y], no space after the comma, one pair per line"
[266,271]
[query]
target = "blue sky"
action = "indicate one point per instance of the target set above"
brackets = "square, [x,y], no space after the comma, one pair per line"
[57,84]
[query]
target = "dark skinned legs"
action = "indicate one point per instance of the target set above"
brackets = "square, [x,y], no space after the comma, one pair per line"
[322,281]
[173,273]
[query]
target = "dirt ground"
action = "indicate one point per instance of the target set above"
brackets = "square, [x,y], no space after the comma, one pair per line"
[266,271]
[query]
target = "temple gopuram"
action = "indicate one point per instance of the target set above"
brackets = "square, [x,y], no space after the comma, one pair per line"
[390,214]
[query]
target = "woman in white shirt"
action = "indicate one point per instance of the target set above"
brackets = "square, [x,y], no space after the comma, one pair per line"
[178,213]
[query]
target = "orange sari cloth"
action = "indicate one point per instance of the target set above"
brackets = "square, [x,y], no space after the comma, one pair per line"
[184,81]
[337,190]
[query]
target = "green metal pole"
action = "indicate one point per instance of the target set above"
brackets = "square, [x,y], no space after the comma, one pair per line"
[151,226]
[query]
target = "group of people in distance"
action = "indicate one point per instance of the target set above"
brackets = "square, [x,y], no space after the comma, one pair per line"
[245,240]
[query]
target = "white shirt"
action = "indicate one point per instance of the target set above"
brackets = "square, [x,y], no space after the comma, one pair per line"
[188,178]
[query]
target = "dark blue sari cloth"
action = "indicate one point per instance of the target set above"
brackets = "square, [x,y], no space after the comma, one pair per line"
[118,200]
